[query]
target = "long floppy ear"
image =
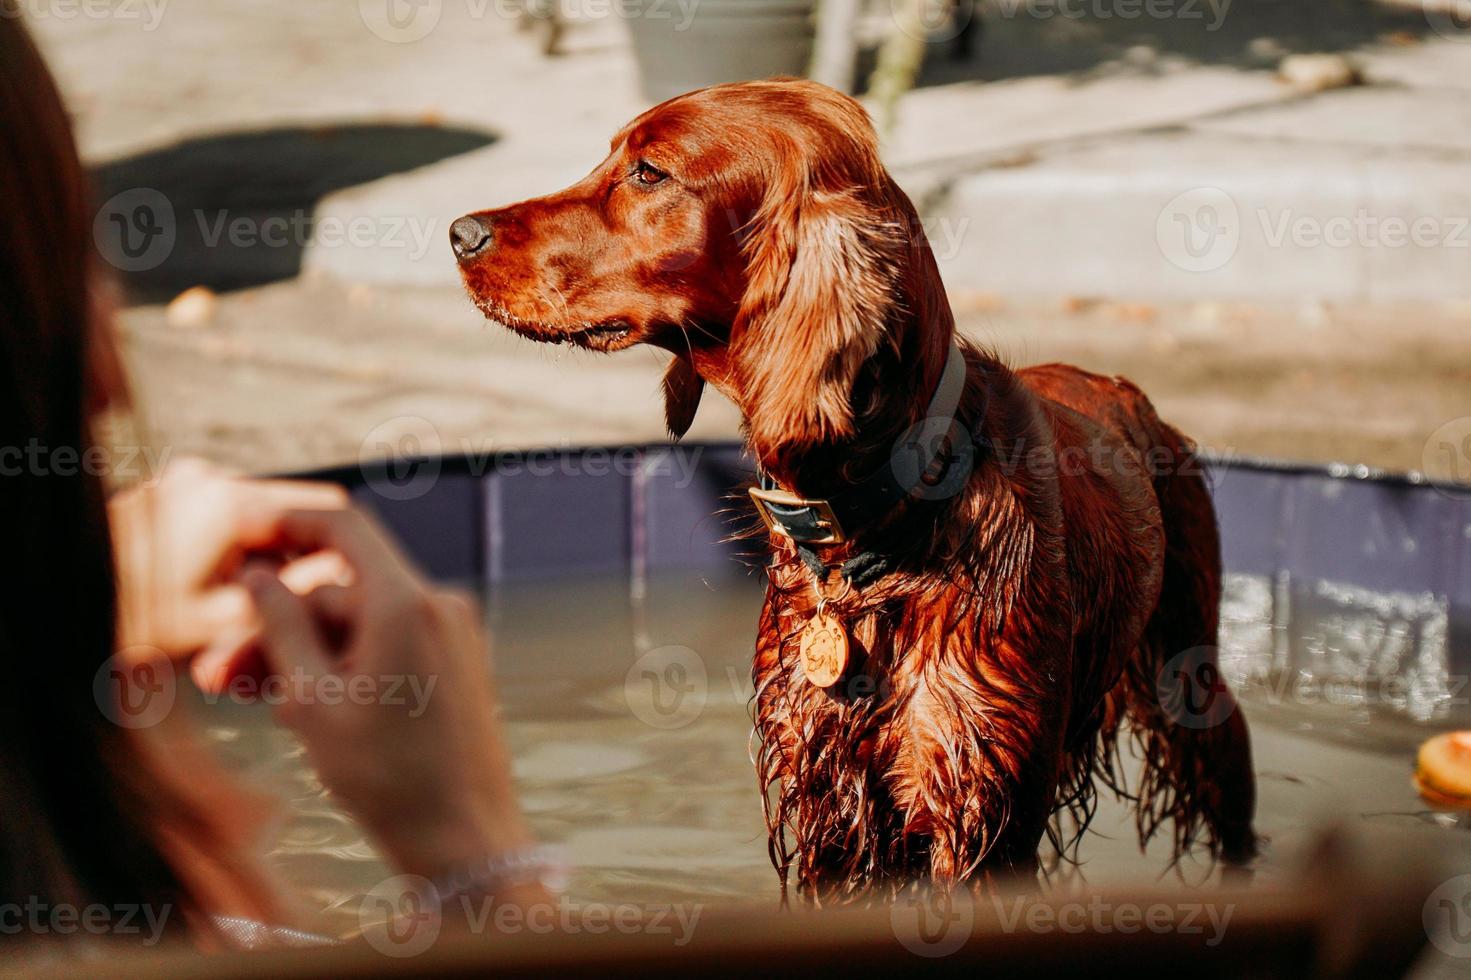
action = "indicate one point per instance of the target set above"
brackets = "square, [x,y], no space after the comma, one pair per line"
[821,269]
[683,387]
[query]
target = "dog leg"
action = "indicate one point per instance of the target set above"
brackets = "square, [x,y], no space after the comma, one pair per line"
[1197,748]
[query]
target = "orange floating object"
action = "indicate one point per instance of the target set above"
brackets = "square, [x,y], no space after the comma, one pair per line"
[1443,770]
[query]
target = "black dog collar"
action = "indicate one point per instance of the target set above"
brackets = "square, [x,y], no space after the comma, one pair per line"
[921,458]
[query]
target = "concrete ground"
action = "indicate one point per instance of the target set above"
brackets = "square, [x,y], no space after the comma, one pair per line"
[1114,155]
[1147,196]
[316,372]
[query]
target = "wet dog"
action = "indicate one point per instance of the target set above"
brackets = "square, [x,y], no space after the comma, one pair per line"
[981,577]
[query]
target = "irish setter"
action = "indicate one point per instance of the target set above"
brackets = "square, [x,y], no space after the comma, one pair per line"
[1007,614]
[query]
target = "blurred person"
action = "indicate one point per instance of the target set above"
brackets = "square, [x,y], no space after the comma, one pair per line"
[192,571]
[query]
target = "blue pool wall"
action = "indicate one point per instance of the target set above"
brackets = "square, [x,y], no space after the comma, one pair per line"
[536,515]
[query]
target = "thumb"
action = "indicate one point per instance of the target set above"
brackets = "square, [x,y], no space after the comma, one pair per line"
[289,637]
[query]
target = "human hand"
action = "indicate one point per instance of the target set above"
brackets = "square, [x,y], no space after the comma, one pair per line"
[178,544]
[426,772]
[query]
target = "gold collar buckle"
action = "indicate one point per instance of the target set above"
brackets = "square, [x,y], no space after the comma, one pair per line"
[827,521]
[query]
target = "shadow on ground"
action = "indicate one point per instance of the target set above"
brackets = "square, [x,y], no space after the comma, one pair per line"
[236,210]
[1019,38]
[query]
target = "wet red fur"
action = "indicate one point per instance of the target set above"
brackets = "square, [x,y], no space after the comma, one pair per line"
[752,230]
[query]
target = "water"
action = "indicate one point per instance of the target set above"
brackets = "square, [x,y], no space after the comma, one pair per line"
[628,720]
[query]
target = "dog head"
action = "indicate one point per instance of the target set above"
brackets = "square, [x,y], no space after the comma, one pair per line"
[749,228]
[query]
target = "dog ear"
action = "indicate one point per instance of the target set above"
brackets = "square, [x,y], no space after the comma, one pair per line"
[683,387]
[821,271]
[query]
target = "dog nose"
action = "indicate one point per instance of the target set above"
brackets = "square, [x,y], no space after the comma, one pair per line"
[468,236]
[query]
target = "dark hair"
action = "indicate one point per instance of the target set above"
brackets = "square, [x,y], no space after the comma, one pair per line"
[75,823]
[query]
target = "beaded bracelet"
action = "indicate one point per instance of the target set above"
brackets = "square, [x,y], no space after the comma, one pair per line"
[541,865]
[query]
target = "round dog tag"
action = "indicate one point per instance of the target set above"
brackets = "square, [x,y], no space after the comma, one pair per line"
[824,647]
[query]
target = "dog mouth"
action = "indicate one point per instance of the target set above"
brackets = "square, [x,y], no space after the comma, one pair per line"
[605,336]
[610,336]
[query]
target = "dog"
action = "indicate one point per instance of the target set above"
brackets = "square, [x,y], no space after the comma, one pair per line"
[979,577]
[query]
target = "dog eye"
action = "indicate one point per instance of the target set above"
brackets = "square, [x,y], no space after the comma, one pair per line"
[648,175]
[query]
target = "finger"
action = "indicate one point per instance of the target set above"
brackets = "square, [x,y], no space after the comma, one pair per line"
[226,611]
[192,623]
[262,502]
[321,568]
[295,494]
[335,603]
[459,615]
[288,635]
[232,656]
[223,608]
[195,467]
[375,559]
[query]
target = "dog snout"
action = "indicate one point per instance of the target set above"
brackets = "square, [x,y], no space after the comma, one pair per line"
[469,236]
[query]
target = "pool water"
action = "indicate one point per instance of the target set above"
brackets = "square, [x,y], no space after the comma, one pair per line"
[627,712]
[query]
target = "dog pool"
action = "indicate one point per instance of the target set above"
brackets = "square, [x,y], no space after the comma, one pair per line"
[623,632]
[628,721]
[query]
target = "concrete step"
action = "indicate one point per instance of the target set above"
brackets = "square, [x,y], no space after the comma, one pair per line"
[943,133]
[1199,183]
[1212,215]
[1085,180]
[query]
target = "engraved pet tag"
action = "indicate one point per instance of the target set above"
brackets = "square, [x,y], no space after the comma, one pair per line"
[824,648]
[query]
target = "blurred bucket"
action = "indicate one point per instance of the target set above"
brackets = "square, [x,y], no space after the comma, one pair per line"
[688,44]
